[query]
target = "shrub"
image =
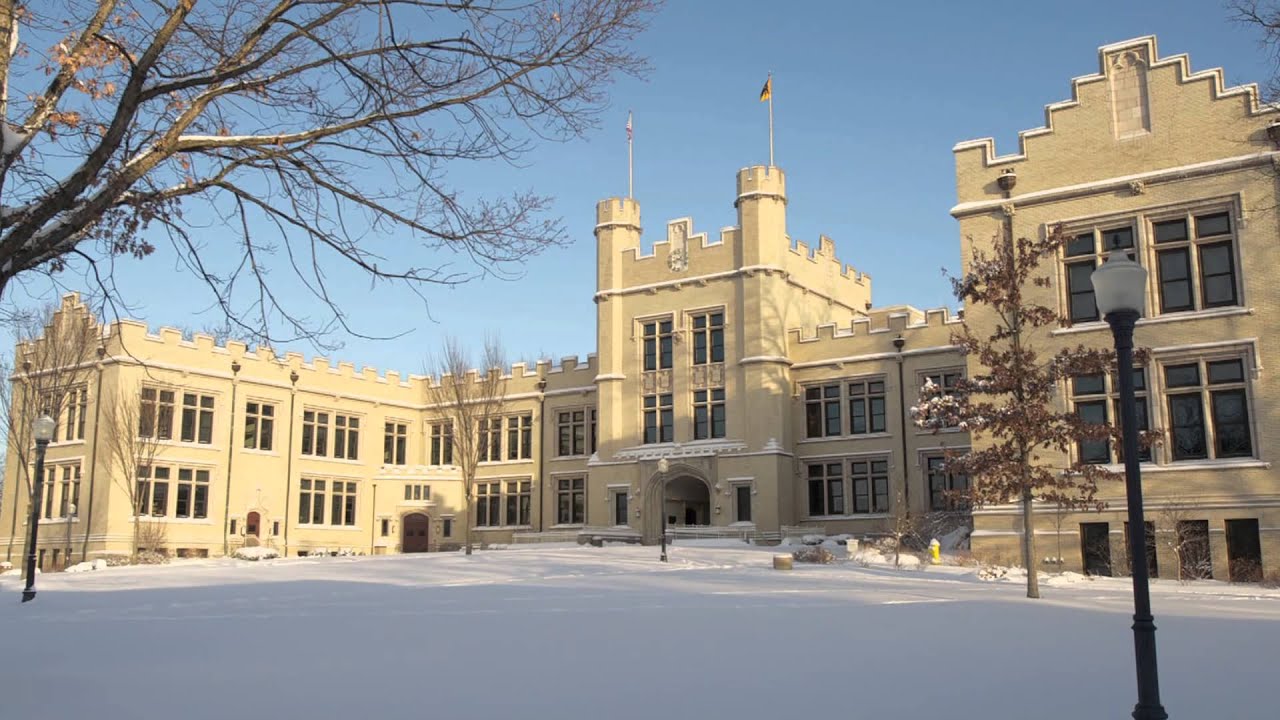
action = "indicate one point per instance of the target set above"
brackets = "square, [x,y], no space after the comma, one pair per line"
[814,554]
[256,553]
[151,557]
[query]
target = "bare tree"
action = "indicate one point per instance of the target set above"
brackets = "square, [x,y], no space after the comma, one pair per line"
[132,444]
[470,400]
[310,133]
[1262,16]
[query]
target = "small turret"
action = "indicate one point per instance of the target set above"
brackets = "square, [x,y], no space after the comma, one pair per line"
[762,215]
[617,230]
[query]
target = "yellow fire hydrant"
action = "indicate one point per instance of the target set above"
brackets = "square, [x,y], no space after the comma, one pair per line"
[935,552]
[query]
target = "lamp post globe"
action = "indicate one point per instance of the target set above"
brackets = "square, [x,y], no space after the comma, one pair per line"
[42,430]
[1119,288]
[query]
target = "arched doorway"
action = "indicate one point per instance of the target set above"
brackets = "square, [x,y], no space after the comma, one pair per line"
[415,530]
[685,500]
[252,521]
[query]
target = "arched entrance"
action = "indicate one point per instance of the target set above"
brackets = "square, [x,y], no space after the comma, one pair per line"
[252,530]
[685,500]
[415,530]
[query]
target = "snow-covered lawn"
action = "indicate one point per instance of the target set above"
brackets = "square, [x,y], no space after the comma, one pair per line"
[610,633]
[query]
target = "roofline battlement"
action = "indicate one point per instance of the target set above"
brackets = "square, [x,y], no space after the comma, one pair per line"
[826,249]
[1220,90]
[877,323]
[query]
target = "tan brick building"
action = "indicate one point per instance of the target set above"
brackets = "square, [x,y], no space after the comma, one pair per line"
[1179,171]
[744,382]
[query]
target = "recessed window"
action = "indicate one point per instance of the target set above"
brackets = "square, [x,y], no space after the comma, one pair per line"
[489,440]
[1204,242]
[1096,399]
[826,489]
[708,414]
[259,425]
[442,443]
[417,491]
[395,443]
[571,501]
[571,432]
[659,420]
[657,344]
[520,437]
[1083,253]
[822,411]
[1208,419]
[866,407]
[197,418]
[155,418]
[708,338]
[870,486]
[947,490]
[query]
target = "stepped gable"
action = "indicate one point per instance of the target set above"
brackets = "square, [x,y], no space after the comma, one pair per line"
[1145,49]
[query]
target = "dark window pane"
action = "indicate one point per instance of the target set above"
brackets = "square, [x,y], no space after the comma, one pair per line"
[813,420]
[1080,245]
[1080,290]
[1186,415]
[1216,224]
[1226,371]
[1231,424]
[1117,238]
[1094,451]
[1182,375]
[816,506]
[1175,280]
[1170,231]
[1217,272]
[1088,385]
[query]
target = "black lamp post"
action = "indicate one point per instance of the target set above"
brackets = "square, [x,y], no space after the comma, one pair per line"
[663,466]
[42,429]
[1119,287]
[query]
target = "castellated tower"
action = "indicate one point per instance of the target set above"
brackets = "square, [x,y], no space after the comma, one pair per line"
[762,216]
[618,242]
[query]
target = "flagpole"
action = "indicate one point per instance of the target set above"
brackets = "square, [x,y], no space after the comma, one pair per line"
[770,119]
[630,158]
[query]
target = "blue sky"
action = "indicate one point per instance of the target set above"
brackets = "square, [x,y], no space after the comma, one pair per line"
[869,99]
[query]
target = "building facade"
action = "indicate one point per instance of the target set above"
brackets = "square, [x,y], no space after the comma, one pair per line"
[1179,171]
[744,383]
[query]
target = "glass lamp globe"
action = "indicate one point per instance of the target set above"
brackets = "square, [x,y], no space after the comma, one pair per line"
[1119,285]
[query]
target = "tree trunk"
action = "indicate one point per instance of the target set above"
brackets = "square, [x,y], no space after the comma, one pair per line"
[1029,544]
[466,521]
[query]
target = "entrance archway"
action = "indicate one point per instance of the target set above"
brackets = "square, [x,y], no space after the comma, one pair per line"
[252,529]
[415,531]
[686,501]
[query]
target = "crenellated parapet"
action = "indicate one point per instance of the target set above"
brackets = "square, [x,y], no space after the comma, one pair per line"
[819,270]
[1112,116]
[874,334]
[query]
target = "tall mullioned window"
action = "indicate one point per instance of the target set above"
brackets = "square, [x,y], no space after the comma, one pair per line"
[155,418]
[520,437]
[571,501]
[708,338]
[659,419]
[346,437]
[1208,409]
[866,407]
[708,414]
[826,488]
[1096,400]
[870,486]
[489,445]
[1083,254]
[395,443]
[197,418]
[259,425]
[822,411]
[442,443]
[571,432]
[1195,259]
[657,344]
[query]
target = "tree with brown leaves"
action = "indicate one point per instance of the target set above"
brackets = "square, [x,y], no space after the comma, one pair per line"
[310,135]
[1022,444]
[469,397]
